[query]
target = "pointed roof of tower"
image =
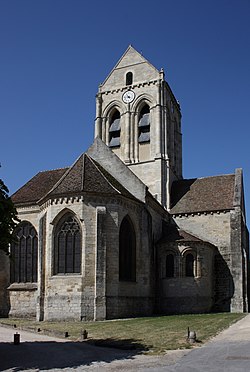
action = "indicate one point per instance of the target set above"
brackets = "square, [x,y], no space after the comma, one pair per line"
[131,57]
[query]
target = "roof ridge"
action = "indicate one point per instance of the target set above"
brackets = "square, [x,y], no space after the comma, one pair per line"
[52,170]
[100,171]
[121,189]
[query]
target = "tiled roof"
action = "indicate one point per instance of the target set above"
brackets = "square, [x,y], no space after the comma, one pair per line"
[85,175]
[37,187]
[114,181]
[203,194]
[176,235]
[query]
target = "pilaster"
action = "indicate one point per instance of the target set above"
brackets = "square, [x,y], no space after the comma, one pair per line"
[100,265]
[127,136]
[98,123]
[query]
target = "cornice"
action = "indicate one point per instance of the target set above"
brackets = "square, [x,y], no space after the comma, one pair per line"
[200,213]
[127,87]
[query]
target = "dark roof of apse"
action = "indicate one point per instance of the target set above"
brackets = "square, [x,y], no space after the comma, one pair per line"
[175,235]
[203,194]
[85,175]
[37,187]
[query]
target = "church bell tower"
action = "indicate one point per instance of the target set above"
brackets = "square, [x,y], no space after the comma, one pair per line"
[138,117]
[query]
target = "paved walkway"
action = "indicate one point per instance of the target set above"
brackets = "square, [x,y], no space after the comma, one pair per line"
[229,351]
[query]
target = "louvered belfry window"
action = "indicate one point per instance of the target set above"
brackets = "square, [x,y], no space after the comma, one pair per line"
[67,246]
[144,125]
[115,130]
[24,254]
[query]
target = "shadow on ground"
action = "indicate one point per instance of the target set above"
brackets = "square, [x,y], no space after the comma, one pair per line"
[53,355]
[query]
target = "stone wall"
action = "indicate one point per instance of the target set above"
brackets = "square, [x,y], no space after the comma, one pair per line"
[181,294]
[70,296]
[63,298]
[222,229]
[23,300]
[4,283]
[129,298]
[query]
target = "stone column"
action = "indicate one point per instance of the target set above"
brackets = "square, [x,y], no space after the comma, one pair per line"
[98,120]
[127,136]
[136,135]
[41,268]
[105,137]
[238,303]
[168,185]
[132,137]
[165,124]
[100,265]
[158,133]
[198,265]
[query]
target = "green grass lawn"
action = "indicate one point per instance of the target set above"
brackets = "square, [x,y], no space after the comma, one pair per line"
[153,334]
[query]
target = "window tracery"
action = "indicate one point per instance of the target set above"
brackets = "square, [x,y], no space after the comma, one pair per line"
[24,254]
[67,246]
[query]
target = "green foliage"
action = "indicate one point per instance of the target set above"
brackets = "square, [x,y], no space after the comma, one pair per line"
[8,218]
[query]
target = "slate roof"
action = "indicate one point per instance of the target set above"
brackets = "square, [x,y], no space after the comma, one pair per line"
[37,187]
[88,176]
[85,175]
[176,235]
[203,194]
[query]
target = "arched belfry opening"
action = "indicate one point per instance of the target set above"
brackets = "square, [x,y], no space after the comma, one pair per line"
[144,125]
[115,129]
[129,78]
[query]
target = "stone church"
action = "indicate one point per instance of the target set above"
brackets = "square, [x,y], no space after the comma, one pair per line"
[121,233]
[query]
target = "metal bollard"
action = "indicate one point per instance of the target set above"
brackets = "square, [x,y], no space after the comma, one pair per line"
[192,337]
[16,338]
[84,335]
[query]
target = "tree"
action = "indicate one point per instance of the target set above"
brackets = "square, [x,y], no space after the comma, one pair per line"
[8,218]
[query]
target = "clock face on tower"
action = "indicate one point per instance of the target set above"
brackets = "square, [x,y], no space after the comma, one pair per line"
[128,96]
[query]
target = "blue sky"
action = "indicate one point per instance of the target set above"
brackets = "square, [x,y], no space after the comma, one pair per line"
[54,54]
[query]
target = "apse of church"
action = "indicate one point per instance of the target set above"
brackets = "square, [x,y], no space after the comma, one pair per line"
[120,232]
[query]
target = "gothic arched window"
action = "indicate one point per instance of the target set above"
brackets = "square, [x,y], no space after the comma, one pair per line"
[170,263]
[144,125]
[189,265]
[67,246]
[115,129]
[127,251]
[24,254]
[129,78]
